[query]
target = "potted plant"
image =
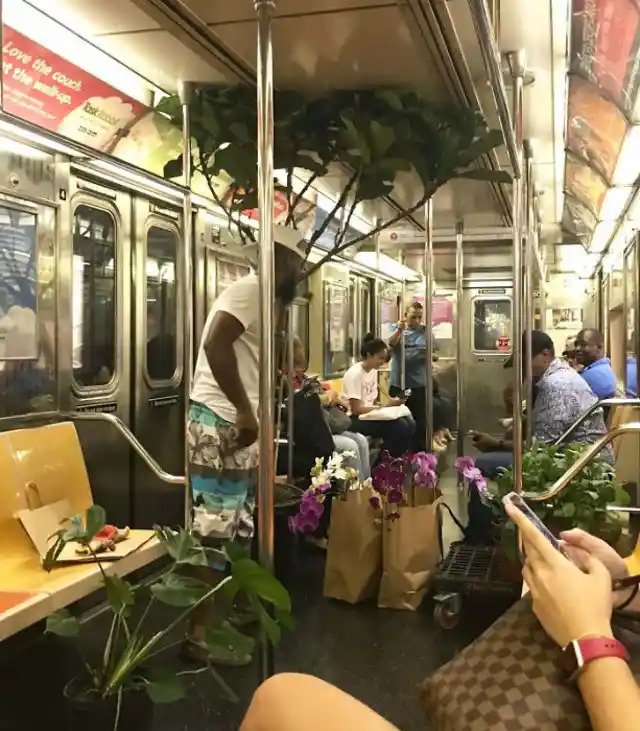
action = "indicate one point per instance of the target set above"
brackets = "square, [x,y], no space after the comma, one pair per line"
[117,692]
[397,482]
[582,504]
[364,138]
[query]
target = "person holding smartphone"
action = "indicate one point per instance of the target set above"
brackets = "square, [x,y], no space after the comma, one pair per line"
[573,599]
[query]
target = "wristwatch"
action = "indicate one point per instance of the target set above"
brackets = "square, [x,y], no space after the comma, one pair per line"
[579,653]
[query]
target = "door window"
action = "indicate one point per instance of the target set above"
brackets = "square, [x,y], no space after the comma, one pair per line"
[93,317]
[162,305]
[492,325]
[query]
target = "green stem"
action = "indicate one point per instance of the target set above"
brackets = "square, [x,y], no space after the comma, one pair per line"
[339,249]
[118,707]
[299,197]
[340,204]
[345,228]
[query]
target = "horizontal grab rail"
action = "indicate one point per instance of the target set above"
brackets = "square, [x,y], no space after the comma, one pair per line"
[585,458]
[615,401]
[131,438]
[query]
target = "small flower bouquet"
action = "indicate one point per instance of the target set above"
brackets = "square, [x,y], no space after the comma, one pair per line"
[398,482]
[332,479]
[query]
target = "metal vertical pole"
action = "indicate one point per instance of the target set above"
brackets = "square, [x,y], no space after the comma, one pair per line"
[186,92]
[266,473]
[290,392]
[401,311]
[529,228]
[459,337]
[543,278]
[428,320]
[517,65]
[636,309]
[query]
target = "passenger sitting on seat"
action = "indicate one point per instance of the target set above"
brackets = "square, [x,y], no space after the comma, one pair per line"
[597,370]
[562,397]
[361,388]
[344,441]
[573,600]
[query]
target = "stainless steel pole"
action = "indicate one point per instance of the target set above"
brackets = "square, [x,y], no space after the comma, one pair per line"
[186,92]
[492,63]
[290,394]
[636,308]
[428,320]
[517,64]
[266,475]
[459,337]
[403,365]
[529,227]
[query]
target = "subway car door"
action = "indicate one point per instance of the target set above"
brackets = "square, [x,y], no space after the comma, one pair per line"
[487,316]
[94,306]
[157,375]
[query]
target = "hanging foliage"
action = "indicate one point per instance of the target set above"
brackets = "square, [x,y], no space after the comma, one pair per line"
[372,134]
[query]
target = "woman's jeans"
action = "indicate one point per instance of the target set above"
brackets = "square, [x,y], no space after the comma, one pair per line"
[396,435]
[359,445]
[492,463]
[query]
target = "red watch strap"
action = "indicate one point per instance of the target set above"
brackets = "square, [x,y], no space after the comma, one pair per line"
[596,648]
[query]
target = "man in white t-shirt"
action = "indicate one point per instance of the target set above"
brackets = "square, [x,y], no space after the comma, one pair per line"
[223,426]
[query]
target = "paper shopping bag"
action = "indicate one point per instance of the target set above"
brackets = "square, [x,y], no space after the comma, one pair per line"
[354,557]
[411,552]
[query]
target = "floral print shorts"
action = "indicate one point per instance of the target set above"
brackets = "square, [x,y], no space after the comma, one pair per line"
[223,479]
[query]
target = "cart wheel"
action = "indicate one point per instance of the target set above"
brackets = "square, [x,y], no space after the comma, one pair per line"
[448,613]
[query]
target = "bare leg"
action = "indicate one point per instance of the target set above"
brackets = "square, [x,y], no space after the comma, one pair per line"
[292,702]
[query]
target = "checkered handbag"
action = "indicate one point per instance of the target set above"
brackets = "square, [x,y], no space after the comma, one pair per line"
[506,680]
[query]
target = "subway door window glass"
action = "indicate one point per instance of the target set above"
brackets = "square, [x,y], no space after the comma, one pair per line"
[492,326]
[162,307]
[94,297]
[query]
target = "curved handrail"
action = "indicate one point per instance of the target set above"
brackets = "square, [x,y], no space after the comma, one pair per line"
[616,401]
[585,458]
[130,437]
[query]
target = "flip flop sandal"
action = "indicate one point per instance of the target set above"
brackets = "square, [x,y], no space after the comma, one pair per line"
[222,656]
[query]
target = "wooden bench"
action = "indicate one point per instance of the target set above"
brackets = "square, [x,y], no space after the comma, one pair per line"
[49,457]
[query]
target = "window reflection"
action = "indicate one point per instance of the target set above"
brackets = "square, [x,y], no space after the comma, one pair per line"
[162,307]
[93,296]
[491,324]
[336,316]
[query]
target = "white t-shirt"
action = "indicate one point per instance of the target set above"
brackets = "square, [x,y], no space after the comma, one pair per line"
[360,384]
[241,300]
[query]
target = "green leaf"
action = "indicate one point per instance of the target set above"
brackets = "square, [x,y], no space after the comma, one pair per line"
[52,555]
[491,176]
[179,591]
[182,546]
[62,624]
[253,579]
[269,624]
[173,168]
[383,137]
[119,593]
[171,106]
[95,521]
[165,687]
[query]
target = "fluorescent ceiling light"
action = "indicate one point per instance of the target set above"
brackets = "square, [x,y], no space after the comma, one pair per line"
[602,234]
[36,139]
[142,180]
[34,24]
[384,263]
[628,164]
[613,204]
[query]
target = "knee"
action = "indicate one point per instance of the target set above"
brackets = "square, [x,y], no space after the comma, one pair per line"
[275,695]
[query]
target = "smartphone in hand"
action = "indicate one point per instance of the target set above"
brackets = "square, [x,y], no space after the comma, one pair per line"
[517,501]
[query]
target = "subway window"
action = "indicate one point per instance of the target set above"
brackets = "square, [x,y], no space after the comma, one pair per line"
[492,325]
[162,305]
[93,296]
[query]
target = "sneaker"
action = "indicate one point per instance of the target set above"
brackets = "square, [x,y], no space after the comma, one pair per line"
[195,651]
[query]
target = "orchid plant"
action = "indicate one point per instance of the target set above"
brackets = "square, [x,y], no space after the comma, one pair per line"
[472,477]
[395,481]
[331,479]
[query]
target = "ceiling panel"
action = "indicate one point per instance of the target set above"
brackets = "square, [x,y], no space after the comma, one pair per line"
[95,18]
[339,50]
[223,11]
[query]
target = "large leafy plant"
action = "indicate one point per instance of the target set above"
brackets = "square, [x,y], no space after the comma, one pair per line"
[129,657]
[582,504]
[370,135]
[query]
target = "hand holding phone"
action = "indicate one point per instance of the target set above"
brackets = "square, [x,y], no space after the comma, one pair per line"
[517,501]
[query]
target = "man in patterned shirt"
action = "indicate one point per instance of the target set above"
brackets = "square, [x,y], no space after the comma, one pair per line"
[562,397]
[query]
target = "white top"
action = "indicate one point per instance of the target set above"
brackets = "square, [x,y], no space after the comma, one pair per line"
[360,384]
[241,300]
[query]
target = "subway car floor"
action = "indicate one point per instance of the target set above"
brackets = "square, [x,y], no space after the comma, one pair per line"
[377,655]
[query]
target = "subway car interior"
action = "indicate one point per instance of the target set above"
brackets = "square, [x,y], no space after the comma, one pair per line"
[471,165]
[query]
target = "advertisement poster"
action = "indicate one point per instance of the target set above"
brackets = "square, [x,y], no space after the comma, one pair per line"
[42,88]
[18,297]
[442,318]
[605,41]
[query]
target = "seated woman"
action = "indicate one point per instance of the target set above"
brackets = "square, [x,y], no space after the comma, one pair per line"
[574,601]
[345,441]
[361,388]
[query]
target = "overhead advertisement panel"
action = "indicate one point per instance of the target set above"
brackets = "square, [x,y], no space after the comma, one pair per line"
[42,88]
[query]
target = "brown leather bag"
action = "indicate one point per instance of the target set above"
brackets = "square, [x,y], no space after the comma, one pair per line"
[507,680]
